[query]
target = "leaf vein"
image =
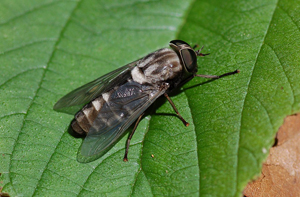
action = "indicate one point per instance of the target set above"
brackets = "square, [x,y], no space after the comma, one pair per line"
[29,11]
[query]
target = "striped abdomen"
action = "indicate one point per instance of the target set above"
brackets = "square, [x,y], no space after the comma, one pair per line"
[111,108]
[84,119]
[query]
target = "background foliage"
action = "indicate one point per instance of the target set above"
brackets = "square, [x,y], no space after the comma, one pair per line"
[50,47]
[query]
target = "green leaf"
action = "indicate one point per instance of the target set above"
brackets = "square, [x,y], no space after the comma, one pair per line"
[49,48]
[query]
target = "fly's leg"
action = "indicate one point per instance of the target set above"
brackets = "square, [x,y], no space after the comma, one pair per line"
[195,46]
[175,109]
[130,136]
[217,76]
[211,76]
[198,51]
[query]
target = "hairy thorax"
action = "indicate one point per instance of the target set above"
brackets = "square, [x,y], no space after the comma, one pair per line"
[157,67]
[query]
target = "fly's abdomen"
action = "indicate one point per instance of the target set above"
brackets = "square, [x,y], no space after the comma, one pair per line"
[84,119]
[111,108]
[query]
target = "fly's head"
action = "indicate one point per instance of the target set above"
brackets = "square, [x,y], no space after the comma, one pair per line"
[187,55]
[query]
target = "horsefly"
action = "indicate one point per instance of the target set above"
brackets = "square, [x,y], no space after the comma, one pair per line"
[114,101]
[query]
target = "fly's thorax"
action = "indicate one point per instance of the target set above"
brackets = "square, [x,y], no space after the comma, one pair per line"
[159,66]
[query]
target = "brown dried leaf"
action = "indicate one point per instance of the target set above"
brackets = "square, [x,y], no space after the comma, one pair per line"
[281,171]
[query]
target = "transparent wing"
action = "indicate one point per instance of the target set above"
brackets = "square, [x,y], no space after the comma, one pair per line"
[73,101]
[114,118]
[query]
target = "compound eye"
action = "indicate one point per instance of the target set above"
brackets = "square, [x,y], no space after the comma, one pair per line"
[176,44]
[189,59]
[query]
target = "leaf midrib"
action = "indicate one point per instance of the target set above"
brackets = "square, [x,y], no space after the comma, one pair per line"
[237,192]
